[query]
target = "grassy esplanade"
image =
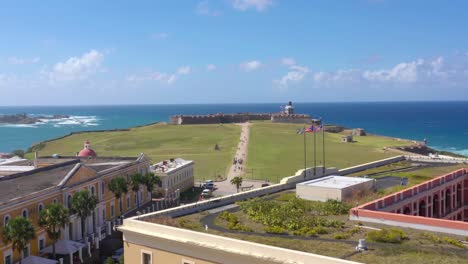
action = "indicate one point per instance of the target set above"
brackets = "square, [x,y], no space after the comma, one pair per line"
[276,150]
[161,141]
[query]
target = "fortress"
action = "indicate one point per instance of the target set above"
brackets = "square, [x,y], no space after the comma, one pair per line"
[287,115]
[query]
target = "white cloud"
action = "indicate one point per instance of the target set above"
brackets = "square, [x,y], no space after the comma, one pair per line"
[288,61]
[159,36]
[184,70]
[296,74]
[259,5]
[162,77]
[203,8]
[251,65]
[77,68]
[20,61]
[211,67]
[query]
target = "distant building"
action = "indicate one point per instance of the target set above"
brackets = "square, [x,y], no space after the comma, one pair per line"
[347,138]
[176,175]
[439,205]
[359,132]
[27,187]
[333,187]
[87,151]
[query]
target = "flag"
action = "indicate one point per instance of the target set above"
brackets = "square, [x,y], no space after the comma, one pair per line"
[313,128]
[310,129]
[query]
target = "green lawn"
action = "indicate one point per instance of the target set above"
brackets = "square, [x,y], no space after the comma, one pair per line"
[160,141]
[276,151]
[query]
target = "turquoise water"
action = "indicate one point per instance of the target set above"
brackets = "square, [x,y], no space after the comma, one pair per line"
[443,124]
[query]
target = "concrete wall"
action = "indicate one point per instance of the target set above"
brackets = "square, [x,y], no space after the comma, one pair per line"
[437,160]
[315,193]
[172,245]
[310,175]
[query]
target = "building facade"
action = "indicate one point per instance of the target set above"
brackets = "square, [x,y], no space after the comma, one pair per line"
[55,180]
[176,176]
[439,204]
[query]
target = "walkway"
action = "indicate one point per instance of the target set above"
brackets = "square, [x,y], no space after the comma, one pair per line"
[238,165]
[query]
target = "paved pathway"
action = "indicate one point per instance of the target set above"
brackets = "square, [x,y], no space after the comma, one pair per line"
[237,169]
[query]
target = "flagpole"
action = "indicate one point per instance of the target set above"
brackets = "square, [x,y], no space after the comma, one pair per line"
[305,155]
[323,146]
[315,151]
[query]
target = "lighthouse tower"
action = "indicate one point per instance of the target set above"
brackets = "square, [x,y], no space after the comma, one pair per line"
[289,109]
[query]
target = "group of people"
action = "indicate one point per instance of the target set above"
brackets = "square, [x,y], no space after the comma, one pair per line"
[237,162]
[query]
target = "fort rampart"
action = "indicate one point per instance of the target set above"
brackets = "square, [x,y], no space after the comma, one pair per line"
[221,118]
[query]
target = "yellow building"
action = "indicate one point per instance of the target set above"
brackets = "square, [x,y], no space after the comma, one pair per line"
[55,180]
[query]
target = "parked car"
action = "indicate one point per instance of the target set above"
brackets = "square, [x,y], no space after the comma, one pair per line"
[206,193]
[209,185]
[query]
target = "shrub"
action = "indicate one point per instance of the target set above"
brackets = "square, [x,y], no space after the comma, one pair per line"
[341,236]
[354,230]
[452,241]
[320,230]
[392,235]
[275,230]
[305,232]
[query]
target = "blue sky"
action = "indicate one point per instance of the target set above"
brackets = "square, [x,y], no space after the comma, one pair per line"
[230,51]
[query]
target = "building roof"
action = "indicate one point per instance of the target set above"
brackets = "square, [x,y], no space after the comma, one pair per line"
[87,153]
[21,184]
[167,166]
[25,180]
[335,182]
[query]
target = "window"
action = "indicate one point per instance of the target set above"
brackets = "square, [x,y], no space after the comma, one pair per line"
[54,201]
[6,219]
[25,213]
[92,190]
[135,198]
[103,215]
[128,201]
[40,207]
[8,259]
[112,210]
[102,187]
[146,257]
[41,244]
[69,201]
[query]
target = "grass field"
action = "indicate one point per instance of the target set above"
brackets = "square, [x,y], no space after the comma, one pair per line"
[276,150]
[160,141]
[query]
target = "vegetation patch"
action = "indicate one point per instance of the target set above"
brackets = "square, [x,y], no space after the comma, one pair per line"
[442,240]
[392,235]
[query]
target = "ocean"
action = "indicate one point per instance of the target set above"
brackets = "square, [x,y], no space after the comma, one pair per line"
[443,124]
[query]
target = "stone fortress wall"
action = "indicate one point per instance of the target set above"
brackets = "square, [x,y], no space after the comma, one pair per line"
[286,115]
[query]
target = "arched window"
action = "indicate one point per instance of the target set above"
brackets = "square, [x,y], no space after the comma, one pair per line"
[92,190]
[54,201]
[25,213]
[6,219]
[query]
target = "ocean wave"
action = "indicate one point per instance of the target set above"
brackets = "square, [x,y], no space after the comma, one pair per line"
[19,125]
[78,120]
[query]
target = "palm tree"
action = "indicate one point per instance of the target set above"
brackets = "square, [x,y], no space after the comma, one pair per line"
[119,187]
[19,231]
[53,219]
[149,180]
[135,180]
[237,181]
[83,204]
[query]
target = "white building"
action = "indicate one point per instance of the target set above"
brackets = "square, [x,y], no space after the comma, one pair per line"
[332,187]
[176,175]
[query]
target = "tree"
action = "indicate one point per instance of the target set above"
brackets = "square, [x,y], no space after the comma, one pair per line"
[119,187]
[18,152]
[135,180]
[237,181]
[53,219]
[19,231]
[149,180]
[83,204]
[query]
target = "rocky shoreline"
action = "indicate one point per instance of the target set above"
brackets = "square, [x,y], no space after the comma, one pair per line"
[25,119]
